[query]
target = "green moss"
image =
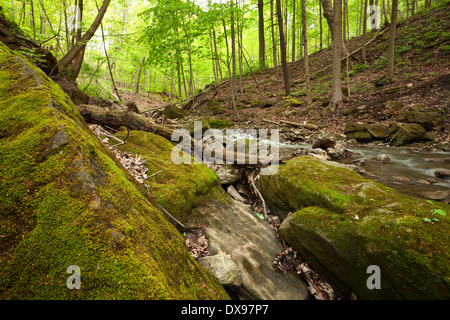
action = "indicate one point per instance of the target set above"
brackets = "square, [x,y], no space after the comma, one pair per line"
[65,201]
[367,223]
[178,186]
[218,123]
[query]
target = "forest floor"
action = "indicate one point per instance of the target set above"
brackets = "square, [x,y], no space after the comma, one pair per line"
[422,80]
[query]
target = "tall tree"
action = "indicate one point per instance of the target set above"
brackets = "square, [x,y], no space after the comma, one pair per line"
[287,87]
[274,41]
[306,58]
[80,45]
[364,32]
[262,42]
[392,29]
[336,90]
[233,59]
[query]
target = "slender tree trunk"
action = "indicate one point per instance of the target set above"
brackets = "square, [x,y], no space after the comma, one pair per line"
[33,24]
[274,41]
[138,76]
[72,53]
[109,65]
[78,61]
[293,30]
[262,41]
[283,49]
[364,32]
[233,59]
[216,53]
[391,47]
[321,27]
[306,57]
[336,91]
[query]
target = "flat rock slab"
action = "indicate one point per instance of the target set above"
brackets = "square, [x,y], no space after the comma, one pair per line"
[231,227]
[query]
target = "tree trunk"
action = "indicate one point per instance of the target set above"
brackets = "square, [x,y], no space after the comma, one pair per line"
[274,41]
[79,46]
[364,32]
[336,92]
[76,65]
[262,42]
[306,58]
[283,49]
[233,59]
[138,76]
[391,47]
[293,30]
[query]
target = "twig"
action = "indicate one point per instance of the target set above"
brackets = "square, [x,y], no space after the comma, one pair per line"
[154,174]
[165,211]
[257,193]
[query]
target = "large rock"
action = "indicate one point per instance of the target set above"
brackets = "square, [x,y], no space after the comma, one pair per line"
[344,224]
[430,120]
[377,130]
[171,111]
[66,201]
[223,268]
[408,133]
[231,227]
[194,196]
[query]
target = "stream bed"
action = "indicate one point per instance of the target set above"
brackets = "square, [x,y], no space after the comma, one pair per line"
[409,171]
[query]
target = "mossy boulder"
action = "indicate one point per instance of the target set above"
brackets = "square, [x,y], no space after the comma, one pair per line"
[173,112]
[361,136]
[65,201]
[214,107]
[178,187]
[430,120]
[408,133]
[377,130]
[344,223]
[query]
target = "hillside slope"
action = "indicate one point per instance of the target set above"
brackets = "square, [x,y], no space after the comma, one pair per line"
[422,81]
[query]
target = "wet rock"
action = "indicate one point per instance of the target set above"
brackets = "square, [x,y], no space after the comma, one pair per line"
[231,227]
[223,268]
[442,174]
[341,243]
[440,195]
[324,144]
[383,158]
[234,194]
[228,173]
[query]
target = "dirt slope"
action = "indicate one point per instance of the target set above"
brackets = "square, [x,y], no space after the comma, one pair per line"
[422,80]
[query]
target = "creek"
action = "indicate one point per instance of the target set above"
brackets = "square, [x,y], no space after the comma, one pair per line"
[409,171]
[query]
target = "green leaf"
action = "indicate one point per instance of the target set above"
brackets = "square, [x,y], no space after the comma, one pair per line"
[259,215]
[435,219]
[426,220]
[439,211]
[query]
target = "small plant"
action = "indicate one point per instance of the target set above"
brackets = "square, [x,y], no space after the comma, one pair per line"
[435,211]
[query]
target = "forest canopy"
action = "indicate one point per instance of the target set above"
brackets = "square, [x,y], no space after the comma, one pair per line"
[179,46]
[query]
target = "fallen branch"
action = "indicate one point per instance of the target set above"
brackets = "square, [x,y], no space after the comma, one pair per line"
[303,125]
[166,212]
[257,193]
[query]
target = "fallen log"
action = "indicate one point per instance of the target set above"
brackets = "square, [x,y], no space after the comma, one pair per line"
[115,119]
[302,125]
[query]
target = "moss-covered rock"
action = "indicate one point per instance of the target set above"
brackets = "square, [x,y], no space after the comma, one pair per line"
[66,201]
[344,223]
[178,187]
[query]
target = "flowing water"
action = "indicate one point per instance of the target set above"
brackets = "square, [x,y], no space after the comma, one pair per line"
[409,171]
